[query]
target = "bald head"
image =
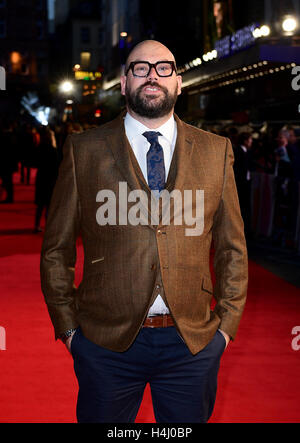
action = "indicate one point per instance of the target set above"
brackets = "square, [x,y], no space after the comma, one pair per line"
[149,49]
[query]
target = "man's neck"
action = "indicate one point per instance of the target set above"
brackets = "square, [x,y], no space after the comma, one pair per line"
[151,123]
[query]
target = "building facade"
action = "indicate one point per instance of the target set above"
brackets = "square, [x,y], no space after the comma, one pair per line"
[98,35]
[245,76]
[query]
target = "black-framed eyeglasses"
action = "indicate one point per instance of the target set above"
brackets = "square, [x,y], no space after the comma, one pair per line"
[143,68]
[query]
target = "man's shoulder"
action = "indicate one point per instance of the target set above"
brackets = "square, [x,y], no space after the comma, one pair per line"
[201,134]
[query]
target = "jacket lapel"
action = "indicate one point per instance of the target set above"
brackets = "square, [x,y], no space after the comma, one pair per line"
[127,163]
[181,157]
[120,147]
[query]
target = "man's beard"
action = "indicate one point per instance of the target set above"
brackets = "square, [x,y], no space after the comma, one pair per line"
[150,106]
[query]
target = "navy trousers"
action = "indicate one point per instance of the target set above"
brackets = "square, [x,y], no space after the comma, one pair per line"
[111,384]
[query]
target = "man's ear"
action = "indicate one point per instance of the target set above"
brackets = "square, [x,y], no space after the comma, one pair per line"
[179,84]
[123,84]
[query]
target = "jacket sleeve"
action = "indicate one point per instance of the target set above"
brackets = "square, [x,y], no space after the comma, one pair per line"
[58,254]
[230,253]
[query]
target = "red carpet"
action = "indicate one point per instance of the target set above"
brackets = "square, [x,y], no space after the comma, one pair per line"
[258,379]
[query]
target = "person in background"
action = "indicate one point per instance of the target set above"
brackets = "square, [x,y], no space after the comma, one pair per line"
[26,152]
[47,170]
[283,193]
[282,159]
[233,134]
[243,165]
[8,160]
[293,150]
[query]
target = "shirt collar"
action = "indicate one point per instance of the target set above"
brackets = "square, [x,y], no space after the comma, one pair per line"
[134,128]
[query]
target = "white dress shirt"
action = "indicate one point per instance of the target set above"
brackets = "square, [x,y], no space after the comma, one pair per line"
[134,131]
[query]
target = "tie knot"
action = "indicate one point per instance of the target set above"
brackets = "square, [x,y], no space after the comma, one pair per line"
[152,136]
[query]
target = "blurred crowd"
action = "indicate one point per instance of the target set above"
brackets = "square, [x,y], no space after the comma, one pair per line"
[27,147]
[271,151]
[275,152]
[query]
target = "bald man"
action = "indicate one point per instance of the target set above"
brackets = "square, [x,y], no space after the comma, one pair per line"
[148,194]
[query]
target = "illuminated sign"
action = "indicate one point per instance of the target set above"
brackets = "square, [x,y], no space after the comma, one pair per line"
[87,76]
[223,47]
[236,42]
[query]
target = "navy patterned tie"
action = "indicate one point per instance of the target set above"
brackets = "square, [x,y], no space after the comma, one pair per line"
[155,162]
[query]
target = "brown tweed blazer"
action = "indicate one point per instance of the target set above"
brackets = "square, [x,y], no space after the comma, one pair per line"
[122,261]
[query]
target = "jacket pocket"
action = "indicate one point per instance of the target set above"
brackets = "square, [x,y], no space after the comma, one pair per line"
[94,266]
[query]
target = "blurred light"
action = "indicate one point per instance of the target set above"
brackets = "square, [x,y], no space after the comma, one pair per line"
[265,30]
[98,113]
[69,102]
[87,75]
[85,60]
[210,55]
[123,34]
[66,86]
[31,103]
[15,57]
[42,116]
[196,62]
[256,33]
[77,67]
[289,24]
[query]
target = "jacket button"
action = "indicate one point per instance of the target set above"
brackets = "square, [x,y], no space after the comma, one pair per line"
[153,267]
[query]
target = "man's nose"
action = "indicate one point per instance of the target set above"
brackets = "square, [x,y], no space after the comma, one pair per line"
[152,73]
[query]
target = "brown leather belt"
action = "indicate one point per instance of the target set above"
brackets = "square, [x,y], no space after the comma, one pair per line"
[159,321]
